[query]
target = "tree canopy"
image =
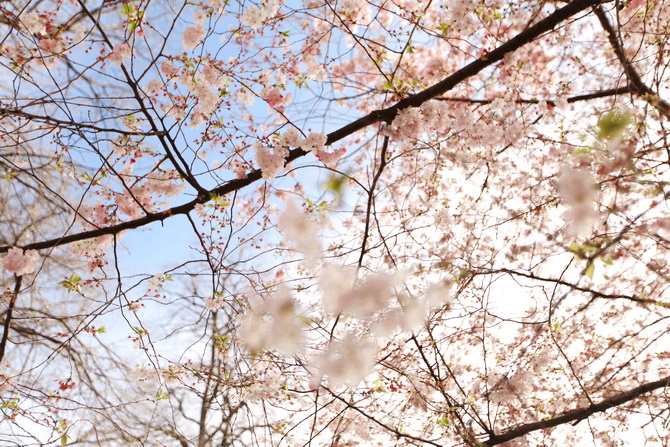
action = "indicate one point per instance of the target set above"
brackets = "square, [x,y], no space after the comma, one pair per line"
[334,222]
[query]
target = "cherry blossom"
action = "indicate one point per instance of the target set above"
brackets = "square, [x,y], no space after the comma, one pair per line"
[468,246]
[192,36]
[270,163]
[346,362]
[273,324]
[20,262]
[314,142]
[120,53]
[577,190]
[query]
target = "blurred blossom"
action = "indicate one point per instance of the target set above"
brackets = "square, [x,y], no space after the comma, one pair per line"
[346,362]
[301,231]
[578,192]
[273,324]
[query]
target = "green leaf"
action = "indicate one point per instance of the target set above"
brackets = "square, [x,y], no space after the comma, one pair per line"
[613,124]
[590,270]
[161,394]
[336,184]
[443,421]
[72,283]
[10,404]
[218,199]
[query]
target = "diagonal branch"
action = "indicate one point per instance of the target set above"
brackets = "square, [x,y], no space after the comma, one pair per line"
[378,116]
[575,416]
[523,38]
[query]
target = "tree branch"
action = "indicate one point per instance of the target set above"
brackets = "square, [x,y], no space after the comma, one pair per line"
[585,97]
[579,414]
[384,115]
[8,317]
[651,97]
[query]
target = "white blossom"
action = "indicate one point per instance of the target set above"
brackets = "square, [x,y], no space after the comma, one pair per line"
[314,142]
[270,163]
[300,230]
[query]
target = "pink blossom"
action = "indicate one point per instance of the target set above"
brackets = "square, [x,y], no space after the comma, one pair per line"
[19,262]
[245,97]
[346,362]
[252,17]
[329,158]
[215,302]
[274,98]
[168,69]
[193,36]
[301,231]
[290,138]
[34,23]
[270,163]
[577,190]
[314,142]
[142,373]
[409,123]
[120,53]
[315,70]
[362,299]
[154,86]
[273,324]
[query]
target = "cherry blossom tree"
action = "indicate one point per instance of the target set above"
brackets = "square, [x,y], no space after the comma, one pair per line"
[334,222]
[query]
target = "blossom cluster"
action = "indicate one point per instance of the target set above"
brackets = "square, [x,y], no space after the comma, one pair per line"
[20,262]
[272,163]
[254,17]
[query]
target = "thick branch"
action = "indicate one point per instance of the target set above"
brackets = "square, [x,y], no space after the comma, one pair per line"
[579,414]
[448,83]
[384,115]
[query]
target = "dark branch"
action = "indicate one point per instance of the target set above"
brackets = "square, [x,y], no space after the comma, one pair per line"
[8,317]
[579,414]
[577,98]
[384,115]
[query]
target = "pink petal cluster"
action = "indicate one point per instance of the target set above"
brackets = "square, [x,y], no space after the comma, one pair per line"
[329,158]
[121,51]
[314,142]
[193,36]
[345,363]
[275,98]
[20,262]
[270,163]
[301,231]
